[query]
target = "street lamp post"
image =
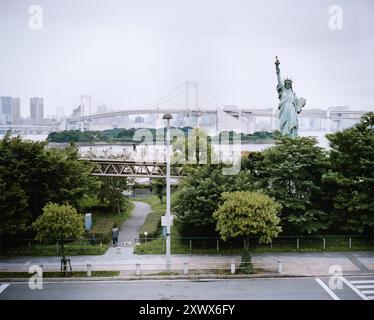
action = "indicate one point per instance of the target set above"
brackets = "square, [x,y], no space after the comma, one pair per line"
[167,223]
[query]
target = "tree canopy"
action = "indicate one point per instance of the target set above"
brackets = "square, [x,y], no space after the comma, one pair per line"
[350,178]
[59,222]
[245,214]
[32,175]
[291,172]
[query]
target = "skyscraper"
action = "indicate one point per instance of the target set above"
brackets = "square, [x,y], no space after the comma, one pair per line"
[6,110]
[37,109]
[16,110]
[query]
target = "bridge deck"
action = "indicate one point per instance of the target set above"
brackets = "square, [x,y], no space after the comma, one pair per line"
[137,169]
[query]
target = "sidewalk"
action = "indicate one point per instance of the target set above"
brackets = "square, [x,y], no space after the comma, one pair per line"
[294,264]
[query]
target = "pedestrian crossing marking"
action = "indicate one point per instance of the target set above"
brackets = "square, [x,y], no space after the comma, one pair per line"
[3,287]
[327,289]
[368,292]
[362,281]
[358,292]
[361,286]
[365,287]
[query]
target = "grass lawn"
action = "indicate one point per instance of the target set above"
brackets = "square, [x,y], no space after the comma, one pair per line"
[152,223]
[102,225]
[103,222]
[33,248]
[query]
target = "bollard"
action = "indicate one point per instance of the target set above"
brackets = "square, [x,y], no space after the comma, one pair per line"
[217,245]
[232,267]
[137,272]
[101,245]
[324,244]
[350,243]
[297,244]
[190,245]
[29,246]
[271,245]
[185,268]
[89,270]
[279,266]
[57,247]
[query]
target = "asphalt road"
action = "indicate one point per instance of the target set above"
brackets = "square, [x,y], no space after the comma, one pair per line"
[353,288]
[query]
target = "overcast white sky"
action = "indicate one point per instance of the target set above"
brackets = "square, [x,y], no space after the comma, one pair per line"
[129,52]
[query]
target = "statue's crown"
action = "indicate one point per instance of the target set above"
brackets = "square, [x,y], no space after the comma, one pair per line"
[289,80]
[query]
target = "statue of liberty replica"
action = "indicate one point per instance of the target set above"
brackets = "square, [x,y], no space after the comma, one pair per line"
[289,105]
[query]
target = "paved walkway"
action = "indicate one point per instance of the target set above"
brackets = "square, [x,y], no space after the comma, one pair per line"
[129,231]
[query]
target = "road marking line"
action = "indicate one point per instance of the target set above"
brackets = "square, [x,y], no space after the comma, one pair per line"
[358,292]
[3,287]
[368,292]
[327,289]
[365,287]
[362,281]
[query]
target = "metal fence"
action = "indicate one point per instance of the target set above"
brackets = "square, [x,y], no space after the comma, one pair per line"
[279,244]
[17,247]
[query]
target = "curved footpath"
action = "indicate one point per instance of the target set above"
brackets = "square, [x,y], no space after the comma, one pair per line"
[129,231]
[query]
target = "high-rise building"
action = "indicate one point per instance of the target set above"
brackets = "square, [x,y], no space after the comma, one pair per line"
[16,110]
[6,110]
[37,109]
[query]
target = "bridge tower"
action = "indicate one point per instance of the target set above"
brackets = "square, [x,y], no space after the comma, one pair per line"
[86,105]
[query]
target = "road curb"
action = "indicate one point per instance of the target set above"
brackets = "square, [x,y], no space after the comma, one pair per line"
[182,277]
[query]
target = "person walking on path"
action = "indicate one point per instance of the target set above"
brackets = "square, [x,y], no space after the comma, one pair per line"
[115,233]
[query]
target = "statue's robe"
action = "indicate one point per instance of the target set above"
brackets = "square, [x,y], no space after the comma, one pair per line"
[288,110]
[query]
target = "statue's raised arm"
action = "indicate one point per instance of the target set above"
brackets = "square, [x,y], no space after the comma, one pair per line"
[277,70]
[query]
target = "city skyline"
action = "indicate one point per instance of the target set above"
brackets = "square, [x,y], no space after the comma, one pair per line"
[127,54]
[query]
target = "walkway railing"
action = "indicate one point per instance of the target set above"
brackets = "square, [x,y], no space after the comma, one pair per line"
[32,247]
[279,244]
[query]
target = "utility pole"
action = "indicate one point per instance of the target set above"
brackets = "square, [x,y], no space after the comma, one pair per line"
[167,219]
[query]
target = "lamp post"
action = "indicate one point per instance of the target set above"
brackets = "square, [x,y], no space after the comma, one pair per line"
[167,218]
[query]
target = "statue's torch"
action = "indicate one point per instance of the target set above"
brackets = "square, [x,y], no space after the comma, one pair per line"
[277,63]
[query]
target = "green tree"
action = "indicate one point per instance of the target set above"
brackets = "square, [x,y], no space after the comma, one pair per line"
[111,192]
[245,214]
[350,180]
[291,172]
[158,187]
[67,179]
[198,196]
[32,175]
[14,214]
[59,222]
